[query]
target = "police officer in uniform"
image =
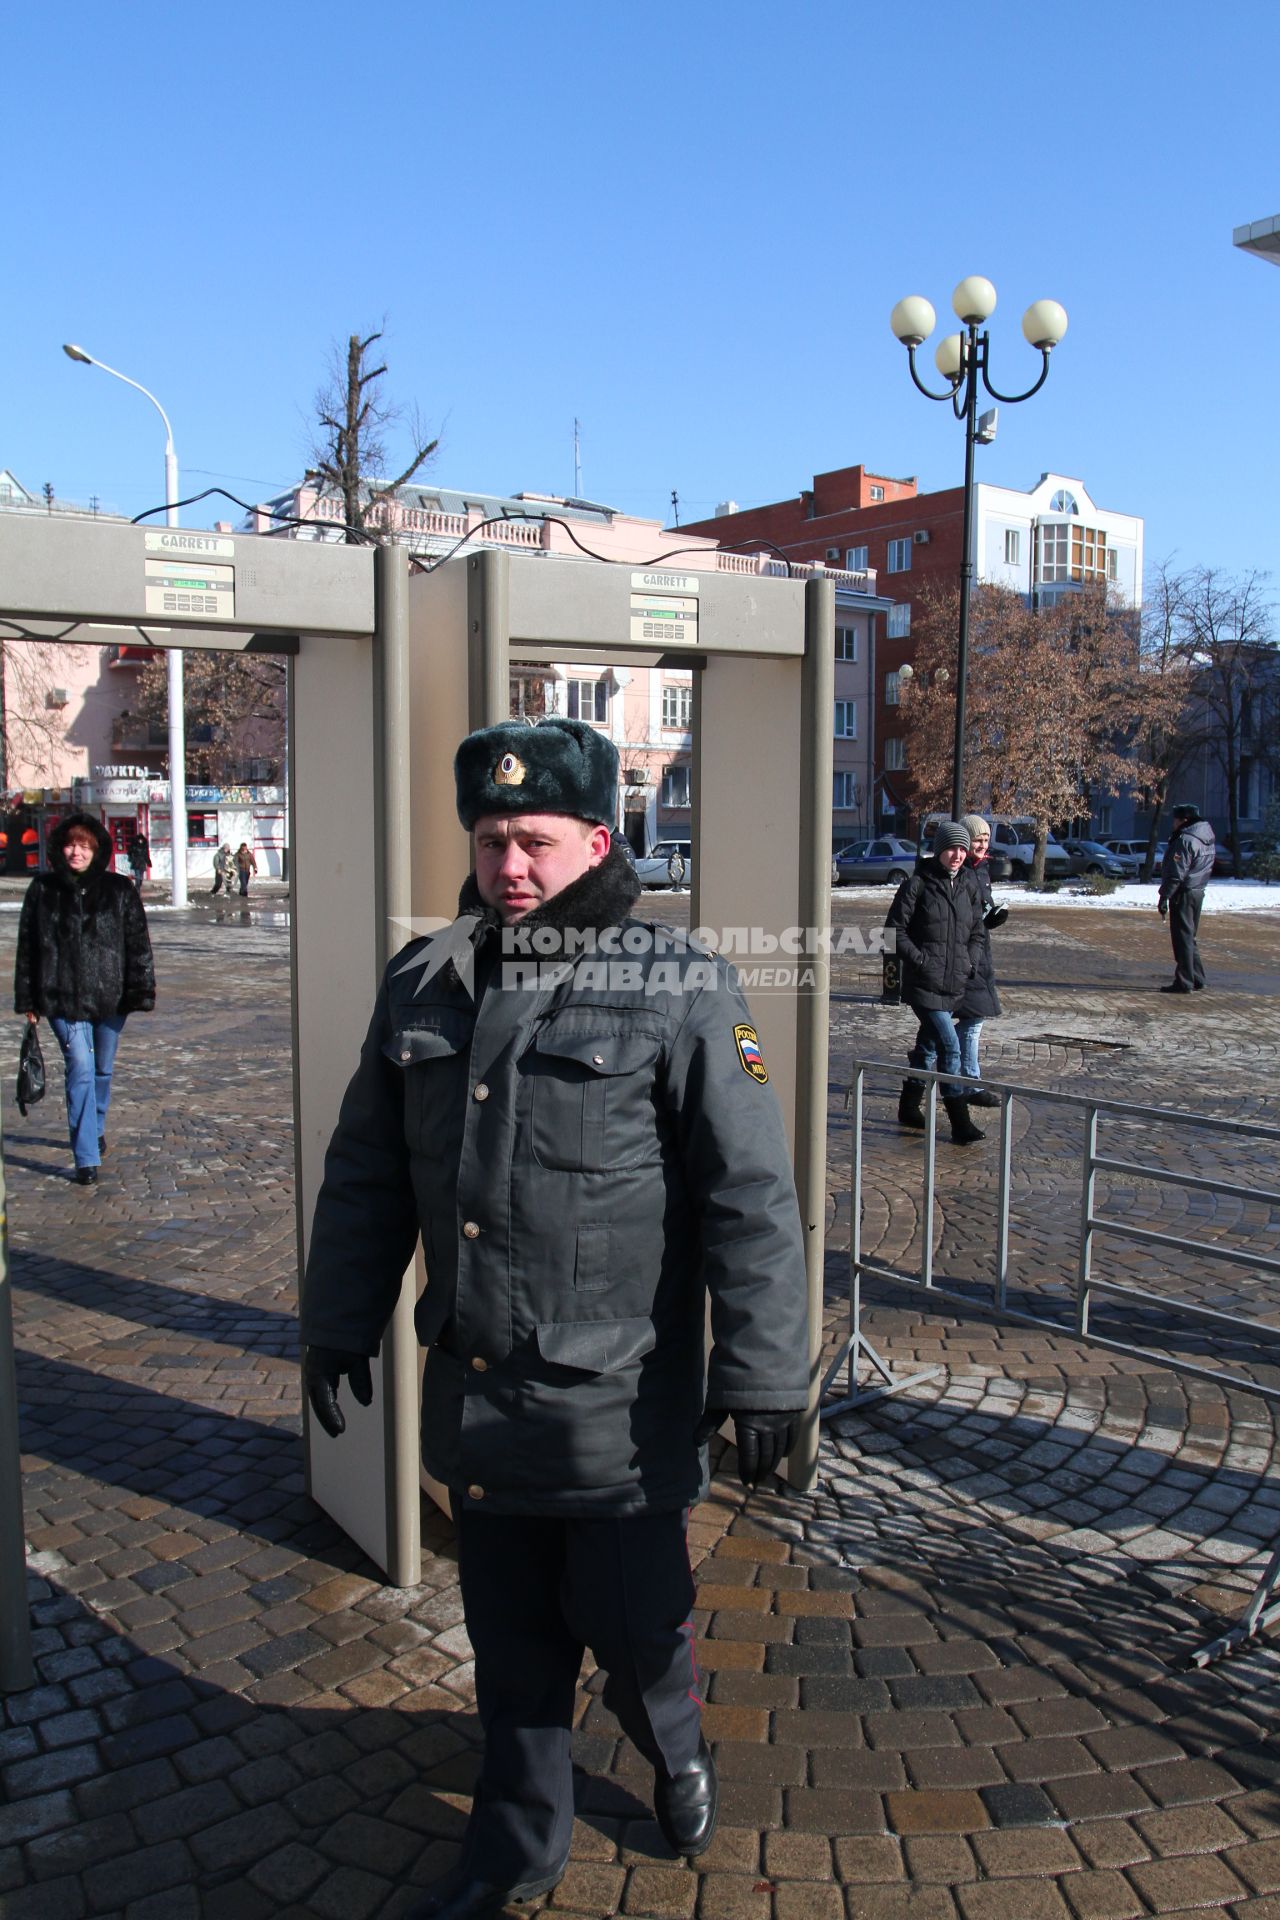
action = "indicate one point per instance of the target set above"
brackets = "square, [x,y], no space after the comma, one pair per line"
[590,1150]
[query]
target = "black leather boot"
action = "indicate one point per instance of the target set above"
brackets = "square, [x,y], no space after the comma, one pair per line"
[686,1803]
[911,1105]
[963,1131]
[983,1099]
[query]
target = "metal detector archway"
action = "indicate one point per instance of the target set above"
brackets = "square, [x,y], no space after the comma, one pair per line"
[386,673]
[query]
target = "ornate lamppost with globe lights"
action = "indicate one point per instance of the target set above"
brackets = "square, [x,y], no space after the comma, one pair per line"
[961,359]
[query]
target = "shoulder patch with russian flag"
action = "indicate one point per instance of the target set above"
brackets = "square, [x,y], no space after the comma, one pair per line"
[748,1041]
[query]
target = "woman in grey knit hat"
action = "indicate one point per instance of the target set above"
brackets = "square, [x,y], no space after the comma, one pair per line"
[937,919]
[981,1001]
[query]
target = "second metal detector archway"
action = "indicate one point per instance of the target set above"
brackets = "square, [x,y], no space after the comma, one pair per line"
[763,651]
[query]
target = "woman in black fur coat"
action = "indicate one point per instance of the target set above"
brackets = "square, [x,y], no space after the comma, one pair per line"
[84,962]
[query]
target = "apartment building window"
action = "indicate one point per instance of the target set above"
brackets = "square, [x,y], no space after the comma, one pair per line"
[675,786]
[677,707]
[892,689]
[1072,552]
[588,700]
[1012,547]
[846,643]
[898,558]
[1113,567]
[846,719]
[895,755]
[875,493]
[855,559]
[844,792]
[898,623]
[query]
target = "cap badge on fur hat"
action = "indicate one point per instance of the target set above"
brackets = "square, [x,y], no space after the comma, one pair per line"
[510,771]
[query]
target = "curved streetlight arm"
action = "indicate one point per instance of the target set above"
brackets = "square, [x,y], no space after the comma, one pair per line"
[89,361]
[1014,399]
[927,392]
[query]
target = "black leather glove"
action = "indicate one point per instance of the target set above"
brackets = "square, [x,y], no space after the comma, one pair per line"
[763,1439]
[995,917]
[1163,909]
[322,1368]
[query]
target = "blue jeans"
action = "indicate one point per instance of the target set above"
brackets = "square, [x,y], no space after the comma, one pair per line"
[946,1044]
[88,1054]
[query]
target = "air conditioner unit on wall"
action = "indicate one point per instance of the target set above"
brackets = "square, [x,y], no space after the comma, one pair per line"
[57,697]
[637,777]
[833,556]
[922,537]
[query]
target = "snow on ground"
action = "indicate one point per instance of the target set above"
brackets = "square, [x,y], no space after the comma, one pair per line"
[1221,896]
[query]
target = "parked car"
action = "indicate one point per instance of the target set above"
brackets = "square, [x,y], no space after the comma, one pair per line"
[1224,861]
[1132,855]
[871,862]
[854,851]
[651,867]
[1090,856]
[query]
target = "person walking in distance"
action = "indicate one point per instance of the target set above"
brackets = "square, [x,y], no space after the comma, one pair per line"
[139,857]
[84,962]
[1185,872]
[937,919]
[224,869]
[587,1165]
[246,866]
[981,1000]
[675,870]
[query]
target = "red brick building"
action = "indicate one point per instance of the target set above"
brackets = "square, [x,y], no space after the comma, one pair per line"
[1043,542]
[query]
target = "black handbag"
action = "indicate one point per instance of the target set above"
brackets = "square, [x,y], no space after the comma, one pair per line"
[31,1079]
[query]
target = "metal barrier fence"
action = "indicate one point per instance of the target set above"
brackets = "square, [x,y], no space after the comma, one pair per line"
[856,1347]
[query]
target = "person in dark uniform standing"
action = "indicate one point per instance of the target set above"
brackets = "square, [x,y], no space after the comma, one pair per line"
[590,1153]
[1185,872]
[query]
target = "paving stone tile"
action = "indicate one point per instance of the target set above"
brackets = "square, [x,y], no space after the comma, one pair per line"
[1189,1829]
[935,1812]
[668,1893]
[50,1900]
[904,1903]
[1191,1880]
[142,1871]
[807,1900]
[1012,1900]
[797,1856]
[939,1857]
[596,1888]
[1101,1895]
[1025,1851]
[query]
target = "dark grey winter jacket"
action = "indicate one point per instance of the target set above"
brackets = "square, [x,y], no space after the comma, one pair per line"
[938,922]
[84,952]
[586,1163]
[981,1000]
[1188,860]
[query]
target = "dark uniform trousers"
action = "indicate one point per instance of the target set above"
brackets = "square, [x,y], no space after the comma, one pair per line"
[1184,925]
[537,1590]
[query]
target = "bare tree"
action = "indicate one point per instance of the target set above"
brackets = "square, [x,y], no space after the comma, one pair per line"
[351,455]
[1053,705]
[1224,636]
[1162,738]
[32,717]
[235,710]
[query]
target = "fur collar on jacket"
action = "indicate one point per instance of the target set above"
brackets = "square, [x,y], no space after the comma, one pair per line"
[601,897]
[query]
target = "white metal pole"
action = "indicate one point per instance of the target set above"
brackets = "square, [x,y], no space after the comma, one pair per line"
[177,728]
[177,722]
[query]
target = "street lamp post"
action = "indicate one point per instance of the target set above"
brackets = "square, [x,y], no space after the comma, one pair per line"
[177,724]
[962,361]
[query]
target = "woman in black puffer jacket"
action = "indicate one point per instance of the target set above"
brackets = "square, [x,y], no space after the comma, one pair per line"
[84,962]
[981,999]
[937,917]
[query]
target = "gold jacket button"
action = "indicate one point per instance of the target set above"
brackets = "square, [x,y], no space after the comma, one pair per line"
[470,1230]
[475,1493]
[481,1092]
[480,1364]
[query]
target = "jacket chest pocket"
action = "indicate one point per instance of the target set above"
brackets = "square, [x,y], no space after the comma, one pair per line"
[592,1106]
[435,1059]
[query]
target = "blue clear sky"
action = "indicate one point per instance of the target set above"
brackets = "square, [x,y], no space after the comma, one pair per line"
[684,225]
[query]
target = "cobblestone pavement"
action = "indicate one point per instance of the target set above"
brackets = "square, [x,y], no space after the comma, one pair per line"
[947,1684]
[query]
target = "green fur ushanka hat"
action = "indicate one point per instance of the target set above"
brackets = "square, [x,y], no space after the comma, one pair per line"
[559,766]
